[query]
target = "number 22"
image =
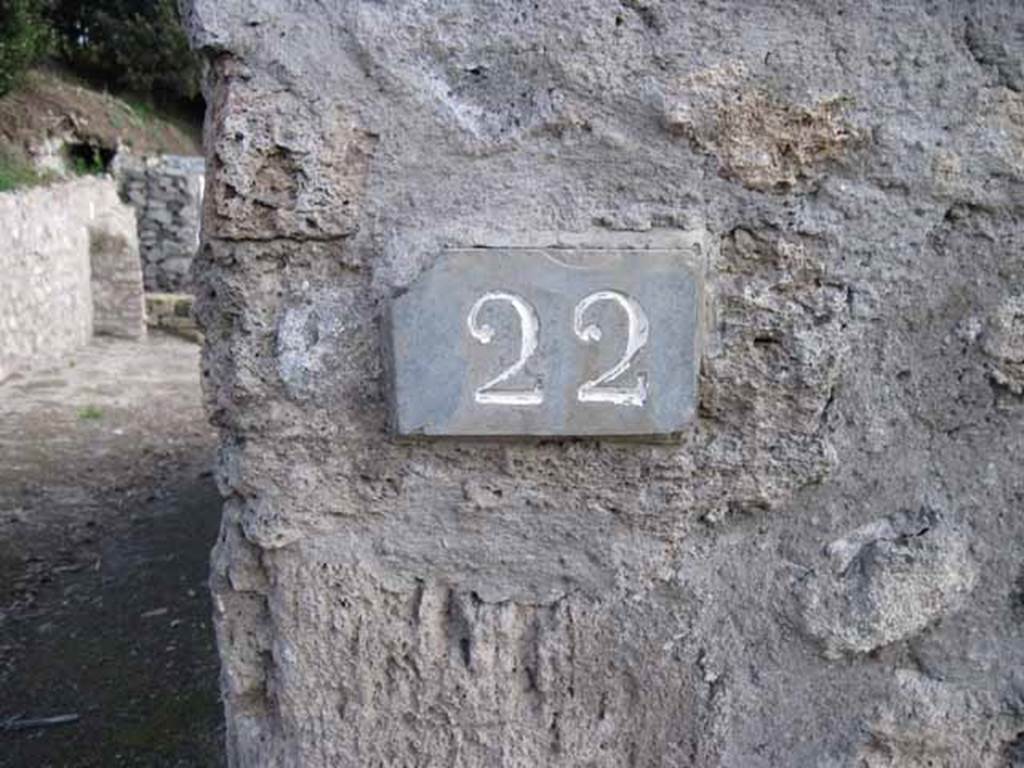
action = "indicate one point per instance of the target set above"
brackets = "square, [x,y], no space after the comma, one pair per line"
[596,390]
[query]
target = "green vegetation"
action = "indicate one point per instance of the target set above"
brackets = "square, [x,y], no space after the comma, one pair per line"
[25,37]
[90,164]
[127,46]
[16,172]
[90,413]
[135,46]
[79,53]
[142,111]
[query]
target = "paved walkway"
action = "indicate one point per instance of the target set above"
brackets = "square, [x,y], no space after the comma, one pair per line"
[107,515]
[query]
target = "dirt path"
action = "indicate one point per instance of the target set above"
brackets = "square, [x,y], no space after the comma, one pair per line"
[107,515]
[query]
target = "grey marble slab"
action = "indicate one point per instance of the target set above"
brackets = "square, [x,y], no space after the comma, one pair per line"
[549,341]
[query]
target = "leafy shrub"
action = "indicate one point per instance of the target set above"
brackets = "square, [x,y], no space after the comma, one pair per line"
[25,36]
[129,45]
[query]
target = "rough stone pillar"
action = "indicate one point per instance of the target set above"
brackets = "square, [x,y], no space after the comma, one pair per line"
[821,568]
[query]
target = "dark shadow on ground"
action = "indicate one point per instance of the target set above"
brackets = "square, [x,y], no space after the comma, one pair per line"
[107,517]
[126,644]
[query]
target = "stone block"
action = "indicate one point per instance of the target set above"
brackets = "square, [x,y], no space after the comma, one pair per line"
[118,305]
[172,313]
[551,341]
[887,581]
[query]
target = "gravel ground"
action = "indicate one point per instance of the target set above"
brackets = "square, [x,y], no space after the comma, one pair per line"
[107,514]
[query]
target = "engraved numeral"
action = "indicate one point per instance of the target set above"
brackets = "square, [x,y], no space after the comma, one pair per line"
[599,390]
[529,326]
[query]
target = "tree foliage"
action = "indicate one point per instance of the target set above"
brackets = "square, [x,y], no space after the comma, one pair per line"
[25,36]
[128,45]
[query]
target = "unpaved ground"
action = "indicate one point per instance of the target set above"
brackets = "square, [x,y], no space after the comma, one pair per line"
[107,515]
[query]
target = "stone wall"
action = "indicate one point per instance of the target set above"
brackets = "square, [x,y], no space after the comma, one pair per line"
[172,313]
[116,274]
[166,193]
[824,569]
[69,267]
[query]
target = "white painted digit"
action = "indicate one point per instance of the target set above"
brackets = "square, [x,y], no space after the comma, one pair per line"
[599,390]
[529,326]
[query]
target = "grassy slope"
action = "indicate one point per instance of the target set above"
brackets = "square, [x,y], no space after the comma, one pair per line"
[51,103]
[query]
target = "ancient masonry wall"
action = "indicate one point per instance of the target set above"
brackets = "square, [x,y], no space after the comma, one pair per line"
[166,193]
[825,569]
[69,268]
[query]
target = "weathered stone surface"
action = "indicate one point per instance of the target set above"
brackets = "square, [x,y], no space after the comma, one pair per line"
[1003,341]
[567,602]
[887,581]
[172,312]
[116,274]
[69,265]
[167,195]
[759,138]
[925,721]
[557,340]
[283,167]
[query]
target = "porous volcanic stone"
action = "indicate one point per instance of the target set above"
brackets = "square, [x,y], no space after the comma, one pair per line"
[823,568]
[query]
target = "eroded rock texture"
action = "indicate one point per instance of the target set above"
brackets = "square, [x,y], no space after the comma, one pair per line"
[825,570]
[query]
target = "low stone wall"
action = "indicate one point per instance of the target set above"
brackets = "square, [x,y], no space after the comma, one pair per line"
[172,312]
[167,195]
[117,296]
[69,267]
